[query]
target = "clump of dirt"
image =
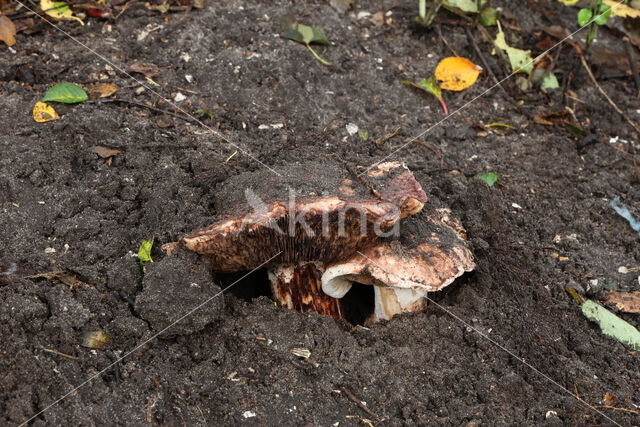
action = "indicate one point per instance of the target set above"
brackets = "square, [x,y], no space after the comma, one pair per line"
[64,208]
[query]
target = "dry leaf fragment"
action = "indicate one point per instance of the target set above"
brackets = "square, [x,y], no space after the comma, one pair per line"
[148,70]
[608,399]
[105,152]
[622,10]
[629,302]
[44,113]
[457,73]
[102,90]
[7,31]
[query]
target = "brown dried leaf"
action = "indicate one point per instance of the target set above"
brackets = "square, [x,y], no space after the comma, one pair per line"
[7,31]
[629,302]
[102,90]
[105,152]
[608,399]
[148,70]
[558,117]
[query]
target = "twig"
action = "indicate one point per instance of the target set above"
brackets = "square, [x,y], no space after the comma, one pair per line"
[387,136]
[432,149]
[604,94]
[634,66]
[68,356]
[358,402]
[485,63]
[631,411]
[446,43]
[148,107]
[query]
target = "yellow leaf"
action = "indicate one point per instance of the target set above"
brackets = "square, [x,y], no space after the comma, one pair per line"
[569,2]
[58,9]
[457,73]
[7,31]
[44,113]
[622,10]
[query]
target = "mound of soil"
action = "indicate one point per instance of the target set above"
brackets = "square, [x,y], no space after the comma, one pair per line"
[545,226]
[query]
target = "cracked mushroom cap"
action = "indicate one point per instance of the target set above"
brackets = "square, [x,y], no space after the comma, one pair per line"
[317,211]
[430,254]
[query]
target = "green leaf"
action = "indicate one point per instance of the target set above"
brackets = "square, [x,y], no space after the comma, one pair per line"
[501,125]
[611,325]
[66,93]
[490,178]
[200,112]
[305,34]
[363,134]
[603,14]
[520,59]
[584,17]
[576,131]
[489,16]
[144,253]
[549,81]
[470,6]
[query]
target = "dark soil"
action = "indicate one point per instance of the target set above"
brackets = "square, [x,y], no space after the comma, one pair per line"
[231,360]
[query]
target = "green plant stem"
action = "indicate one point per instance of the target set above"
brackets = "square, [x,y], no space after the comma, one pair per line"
[422,8]
[575,295]
[318,57]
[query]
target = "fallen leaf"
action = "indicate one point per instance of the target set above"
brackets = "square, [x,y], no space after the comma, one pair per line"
[377,19]
[58,9]
[569,2]
[44,113]
[549,81]
[608,399]
[105,152]
[456,73]
[66,93]
[489,16]
[470,6]
[305,34]
[95,340]
[7,31]
[519,59]
[629,302]
[548,119]
[102,90]
[611,325]
[148,70]
[59,275]
[622,10]
[490,178]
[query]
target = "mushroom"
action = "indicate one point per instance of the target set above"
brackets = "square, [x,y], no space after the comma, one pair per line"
[317,213]
[430,254]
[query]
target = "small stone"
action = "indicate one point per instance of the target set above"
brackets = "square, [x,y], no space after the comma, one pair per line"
[248,414]
[352,129]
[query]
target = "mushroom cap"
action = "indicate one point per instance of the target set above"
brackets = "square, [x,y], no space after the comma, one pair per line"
[318,211]
[430,254]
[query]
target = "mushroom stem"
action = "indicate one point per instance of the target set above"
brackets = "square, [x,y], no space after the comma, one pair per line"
[299,286]
[392,301]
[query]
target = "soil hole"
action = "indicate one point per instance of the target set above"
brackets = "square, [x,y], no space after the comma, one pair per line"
[247,288]
[357,304]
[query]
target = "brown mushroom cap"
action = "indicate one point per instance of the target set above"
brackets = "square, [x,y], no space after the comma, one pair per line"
[332,216]
[430,254]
